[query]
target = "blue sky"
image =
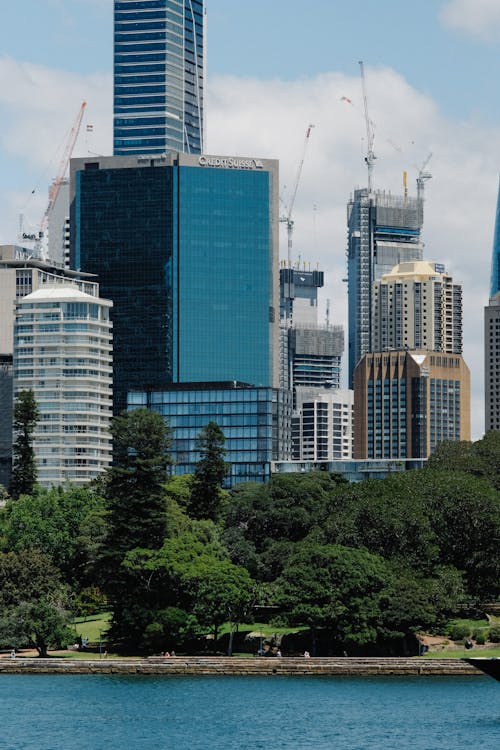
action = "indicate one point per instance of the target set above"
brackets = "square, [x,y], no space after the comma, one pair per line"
[274,66]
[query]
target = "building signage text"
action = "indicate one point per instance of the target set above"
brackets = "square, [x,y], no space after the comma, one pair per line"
[230,162]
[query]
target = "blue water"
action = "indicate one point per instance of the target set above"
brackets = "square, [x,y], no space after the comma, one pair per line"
[101,712]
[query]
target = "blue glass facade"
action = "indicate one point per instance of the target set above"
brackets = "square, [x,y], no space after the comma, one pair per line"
[188,255]
[495,259]
[158,76]
[255,423]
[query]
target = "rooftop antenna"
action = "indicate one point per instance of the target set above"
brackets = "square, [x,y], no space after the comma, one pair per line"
[370,136]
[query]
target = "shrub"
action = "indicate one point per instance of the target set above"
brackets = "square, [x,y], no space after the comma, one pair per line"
[495,634]
[459,631]
[480,636]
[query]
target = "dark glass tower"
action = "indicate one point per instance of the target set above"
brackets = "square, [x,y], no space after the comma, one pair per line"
[158,76]
[187,249]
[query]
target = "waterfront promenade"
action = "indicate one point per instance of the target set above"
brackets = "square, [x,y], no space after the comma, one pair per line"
[220,665]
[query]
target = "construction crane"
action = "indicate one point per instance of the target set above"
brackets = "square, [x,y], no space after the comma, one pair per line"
[423,176]
[40,248]
[287,219]
[370,135]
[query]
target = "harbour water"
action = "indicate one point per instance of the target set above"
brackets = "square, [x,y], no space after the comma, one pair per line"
[110,712]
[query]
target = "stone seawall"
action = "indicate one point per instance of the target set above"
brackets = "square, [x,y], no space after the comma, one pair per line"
[181,665]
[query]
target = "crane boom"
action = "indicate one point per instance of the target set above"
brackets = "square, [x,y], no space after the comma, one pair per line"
[370,136]
[63,165]
[288,218]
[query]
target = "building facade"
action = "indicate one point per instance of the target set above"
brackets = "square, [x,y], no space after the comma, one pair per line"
[492,364]
[21,274]
[383,231]
[187,249]
[417,306]
[322,424]
[62,352]
[159,64]
[492,336]
[255,423]
[406,403]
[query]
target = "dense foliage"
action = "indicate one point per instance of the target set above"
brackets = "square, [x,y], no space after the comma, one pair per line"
[361,566]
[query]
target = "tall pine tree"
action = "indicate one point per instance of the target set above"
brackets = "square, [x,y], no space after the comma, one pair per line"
[137,515]
[211,469]
[24,470]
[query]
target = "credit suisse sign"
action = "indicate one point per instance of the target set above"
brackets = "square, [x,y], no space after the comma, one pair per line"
[227,162]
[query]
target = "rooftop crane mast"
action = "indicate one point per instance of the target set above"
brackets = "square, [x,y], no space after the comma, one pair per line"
[370,135]
[40,245]
[288,218]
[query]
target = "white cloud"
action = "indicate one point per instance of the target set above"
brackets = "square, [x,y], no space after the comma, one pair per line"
[476,17]
[269,119]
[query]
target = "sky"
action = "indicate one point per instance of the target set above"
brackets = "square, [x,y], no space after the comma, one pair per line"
[273,68]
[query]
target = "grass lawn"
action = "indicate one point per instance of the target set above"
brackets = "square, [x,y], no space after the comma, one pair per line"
[261,627]
[459,653]
[92,627]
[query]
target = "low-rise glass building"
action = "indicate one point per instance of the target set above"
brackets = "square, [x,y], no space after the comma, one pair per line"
[255,422]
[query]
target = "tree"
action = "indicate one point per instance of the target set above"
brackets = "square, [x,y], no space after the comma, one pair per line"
[67,523]
[137,511]
[334,588]
[24,471]
[34,603]
[205,498]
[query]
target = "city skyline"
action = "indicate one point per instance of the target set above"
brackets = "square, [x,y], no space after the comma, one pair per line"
[266,83]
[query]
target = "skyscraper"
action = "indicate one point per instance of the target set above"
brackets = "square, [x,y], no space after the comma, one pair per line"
[492,336]
[159,51]
[187,248]
[407,402]
[417,306]
[383,230]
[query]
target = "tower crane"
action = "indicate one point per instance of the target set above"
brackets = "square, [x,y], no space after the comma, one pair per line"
[423,176]
[370,135]
[41,244]
[287,219]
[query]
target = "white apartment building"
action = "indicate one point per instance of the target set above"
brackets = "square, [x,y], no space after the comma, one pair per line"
[322,424]
[62,351]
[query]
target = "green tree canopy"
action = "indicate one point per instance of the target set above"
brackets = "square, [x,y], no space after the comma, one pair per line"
[67,523]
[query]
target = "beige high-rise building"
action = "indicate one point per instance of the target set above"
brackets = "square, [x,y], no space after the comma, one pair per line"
[417,306]
[406,402]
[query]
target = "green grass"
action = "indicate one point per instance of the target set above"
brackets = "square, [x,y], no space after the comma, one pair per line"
[92,627]
[472,624]
[458,653]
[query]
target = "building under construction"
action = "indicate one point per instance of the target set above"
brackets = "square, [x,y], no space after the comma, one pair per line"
[383,231]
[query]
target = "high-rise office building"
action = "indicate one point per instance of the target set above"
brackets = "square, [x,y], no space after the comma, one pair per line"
[405,403]
[492,336]
[62,352]
[383,230]
[187,248]
[417,306]
[159,63]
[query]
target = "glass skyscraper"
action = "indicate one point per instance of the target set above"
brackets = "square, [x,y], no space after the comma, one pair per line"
[187,248]
[158,76]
